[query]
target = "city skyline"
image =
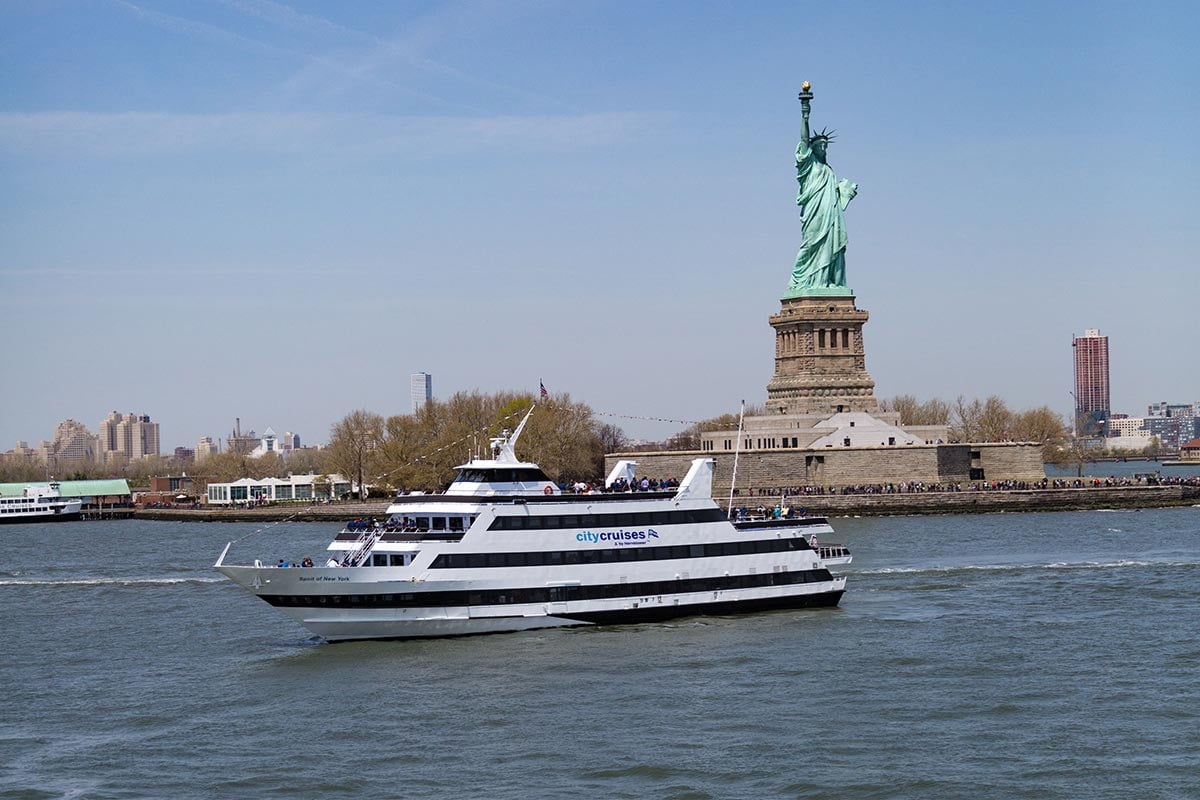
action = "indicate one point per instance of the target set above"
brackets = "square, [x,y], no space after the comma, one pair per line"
[443,186]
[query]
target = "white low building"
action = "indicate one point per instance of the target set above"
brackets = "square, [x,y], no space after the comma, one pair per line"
[293,488]
[1132,441]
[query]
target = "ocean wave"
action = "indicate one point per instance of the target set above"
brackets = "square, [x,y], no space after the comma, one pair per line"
[107,581]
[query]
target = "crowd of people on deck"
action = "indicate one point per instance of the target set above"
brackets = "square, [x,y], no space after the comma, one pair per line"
[642,484]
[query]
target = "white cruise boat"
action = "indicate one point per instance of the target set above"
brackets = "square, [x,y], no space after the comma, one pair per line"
[40,503]
[504,550]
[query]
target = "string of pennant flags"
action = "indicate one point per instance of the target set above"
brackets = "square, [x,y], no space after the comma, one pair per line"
[543,395]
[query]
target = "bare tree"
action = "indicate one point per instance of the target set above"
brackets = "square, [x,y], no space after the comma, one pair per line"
[964,425]
[995,421]
[612,438]
[353,442]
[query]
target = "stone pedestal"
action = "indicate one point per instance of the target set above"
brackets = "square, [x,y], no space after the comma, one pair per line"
[820,363]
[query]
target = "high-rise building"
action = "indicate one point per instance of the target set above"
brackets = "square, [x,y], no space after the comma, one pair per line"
[421,388]
[73,444]
[1092,404]
[207,447]
[127,437]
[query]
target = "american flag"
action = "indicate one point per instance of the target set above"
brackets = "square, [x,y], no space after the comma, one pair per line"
[542,391]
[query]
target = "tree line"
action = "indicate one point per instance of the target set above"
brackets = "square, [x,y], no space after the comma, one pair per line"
[565,437]
[419,452]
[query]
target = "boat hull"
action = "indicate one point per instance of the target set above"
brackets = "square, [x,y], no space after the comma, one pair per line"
[329,615]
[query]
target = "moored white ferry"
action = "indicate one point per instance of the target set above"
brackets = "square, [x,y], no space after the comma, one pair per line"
[40,503]
[504,550]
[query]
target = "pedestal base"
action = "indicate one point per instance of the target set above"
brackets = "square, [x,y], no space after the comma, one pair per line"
[820,361]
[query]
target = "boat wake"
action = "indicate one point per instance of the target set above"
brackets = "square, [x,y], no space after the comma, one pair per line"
[106,581]
[1054,565]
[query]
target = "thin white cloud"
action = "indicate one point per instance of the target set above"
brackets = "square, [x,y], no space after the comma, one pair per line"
[135,133]
[288,18]
[330,74]
[202,30]
[157,271]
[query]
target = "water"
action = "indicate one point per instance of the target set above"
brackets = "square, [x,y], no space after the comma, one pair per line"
[1000,656]
[1122,469]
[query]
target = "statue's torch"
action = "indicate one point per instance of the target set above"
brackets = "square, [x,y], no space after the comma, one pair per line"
[805,99]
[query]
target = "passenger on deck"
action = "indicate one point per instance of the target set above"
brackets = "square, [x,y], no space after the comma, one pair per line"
[308,562]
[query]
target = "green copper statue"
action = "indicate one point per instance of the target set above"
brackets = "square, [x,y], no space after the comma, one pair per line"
[821,263]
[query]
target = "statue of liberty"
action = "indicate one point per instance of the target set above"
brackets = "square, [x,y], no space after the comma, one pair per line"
[821,263]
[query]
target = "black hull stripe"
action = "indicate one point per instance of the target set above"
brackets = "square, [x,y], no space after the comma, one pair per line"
[37,520]
[660,613]
[549,594]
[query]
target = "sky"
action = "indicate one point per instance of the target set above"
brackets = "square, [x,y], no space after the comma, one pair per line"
[278,211]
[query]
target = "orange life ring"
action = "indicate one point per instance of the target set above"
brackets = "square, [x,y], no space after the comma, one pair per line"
[548,490]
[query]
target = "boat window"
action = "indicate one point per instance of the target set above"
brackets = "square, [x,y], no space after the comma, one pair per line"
[456,523]
[422,523]
[439,523]
[397,560]
[379,560]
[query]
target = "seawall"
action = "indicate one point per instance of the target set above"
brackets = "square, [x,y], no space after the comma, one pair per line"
[967,502]
[985,502]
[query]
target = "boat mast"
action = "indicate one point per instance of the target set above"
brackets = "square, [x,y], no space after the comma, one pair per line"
[736,452]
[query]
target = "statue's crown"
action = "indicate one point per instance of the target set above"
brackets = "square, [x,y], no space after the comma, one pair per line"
[825,135]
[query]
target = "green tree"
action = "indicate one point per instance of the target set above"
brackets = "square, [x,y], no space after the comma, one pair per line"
[563,438]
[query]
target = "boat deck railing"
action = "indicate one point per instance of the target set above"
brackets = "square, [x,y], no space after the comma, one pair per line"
[828,551]
[398,533]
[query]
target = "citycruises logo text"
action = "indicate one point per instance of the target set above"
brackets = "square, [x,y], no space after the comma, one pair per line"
[620,537]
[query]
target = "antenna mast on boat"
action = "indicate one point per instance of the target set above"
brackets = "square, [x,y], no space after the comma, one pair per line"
[736,452]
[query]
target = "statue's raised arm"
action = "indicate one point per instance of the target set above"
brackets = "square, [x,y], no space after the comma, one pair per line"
[820,267]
